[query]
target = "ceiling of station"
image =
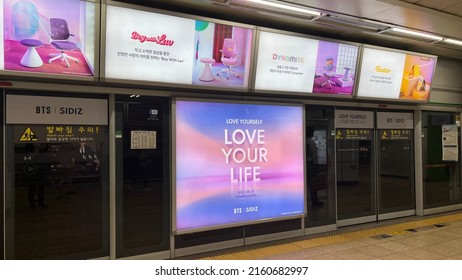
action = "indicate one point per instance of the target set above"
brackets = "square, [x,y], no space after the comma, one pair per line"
[362,21]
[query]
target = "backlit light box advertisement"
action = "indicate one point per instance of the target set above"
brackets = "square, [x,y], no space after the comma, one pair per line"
[285,63]
[290,63]
[237,164]
[394,75]
[168,49]
[335,68]
[48,36]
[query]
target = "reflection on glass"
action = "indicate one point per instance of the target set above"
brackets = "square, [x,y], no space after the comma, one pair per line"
[441,177]
[315,162]
[355,196]
[142,180]
[58,201]
[320,171]
[396,176]
[143,198]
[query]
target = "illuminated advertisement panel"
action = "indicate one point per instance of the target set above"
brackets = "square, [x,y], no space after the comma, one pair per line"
[48,36]
[285,63]
[393,75]
[161,48]
[290,63]
[237,163]
[335,68]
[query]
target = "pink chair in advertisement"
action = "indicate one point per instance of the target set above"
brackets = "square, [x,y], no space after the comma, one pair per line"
[229,57]
[59,32]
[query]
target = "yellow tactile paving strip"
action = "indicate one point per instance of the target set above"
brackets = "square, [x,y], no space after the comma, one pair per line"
[393,230]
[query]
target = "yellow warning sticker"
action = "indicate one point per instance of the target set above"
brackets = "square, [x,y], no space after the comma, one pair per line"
[384,135]
[28,136]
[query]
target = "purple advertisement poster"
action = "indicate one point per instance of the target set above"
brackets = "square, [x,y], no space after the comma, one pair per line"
[48,36]
[237,163]
[335,68]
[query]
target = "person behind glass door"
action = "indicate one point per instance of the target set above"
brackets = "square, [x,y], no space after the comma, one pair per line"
[66,160]
[36,168]
[86,157]
[312,167]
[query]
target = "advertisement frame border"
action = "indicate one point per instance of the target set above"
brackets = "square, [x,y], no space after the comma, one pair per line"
[378,99]
[233,90]
[15,75]
[259,30]
[175,231]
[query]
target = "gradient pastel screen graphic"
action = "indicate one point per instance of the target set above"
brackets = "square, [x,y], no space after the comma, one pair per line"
[237,163]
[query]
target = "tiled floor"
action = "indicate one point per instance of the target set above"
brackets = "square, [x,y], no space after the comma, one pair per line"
[428,245]
[432,238]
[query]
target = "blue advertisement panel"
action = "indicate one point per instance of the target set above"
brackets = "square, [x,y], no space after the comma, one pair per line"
[237,163]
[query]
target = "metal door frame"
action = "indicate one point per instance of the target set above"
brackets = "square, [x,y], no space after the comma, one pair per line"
[375,153]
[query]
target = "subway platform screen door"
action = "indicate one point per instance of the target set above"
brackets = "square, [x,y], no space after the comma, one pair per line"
[57,170]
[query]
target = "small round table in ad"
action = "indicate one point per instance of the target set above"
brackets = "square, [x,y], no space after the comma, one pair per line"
[207,75]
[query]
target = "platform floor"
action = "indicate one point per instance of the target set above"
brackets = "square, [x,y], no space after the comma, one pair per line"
[437,237]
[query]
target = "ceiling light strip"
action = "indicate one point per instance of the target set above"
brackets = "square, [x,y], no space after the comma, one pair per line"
[282,6]
[417,34]
[453,41]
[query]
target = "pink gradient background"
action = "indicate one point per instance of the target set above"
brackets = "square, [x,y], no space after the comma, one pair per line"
[203,176]
[69,10]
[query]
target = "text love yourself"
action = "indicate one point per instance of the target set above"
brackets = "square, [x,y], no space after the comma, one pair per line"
[246,150]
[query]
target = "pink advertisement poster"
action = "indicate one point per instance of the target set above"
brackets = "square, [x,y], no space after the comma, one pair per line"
[48,36]
[237,163]
[169,49]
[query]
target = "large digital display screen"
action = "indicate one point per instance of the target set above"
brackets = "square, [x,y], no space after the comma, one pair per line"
[393,75]
[296,64]
[168,49]
[237,163]
[48,36]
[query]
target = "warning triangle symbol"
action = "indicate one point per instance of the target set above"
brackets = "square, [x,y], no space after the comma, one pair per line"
[339,135]
[385,135]
[28,136]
